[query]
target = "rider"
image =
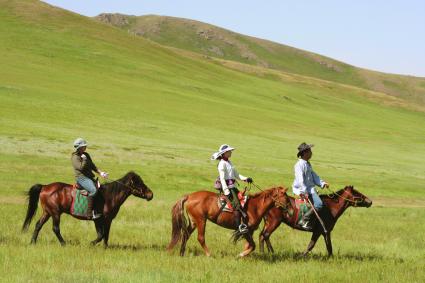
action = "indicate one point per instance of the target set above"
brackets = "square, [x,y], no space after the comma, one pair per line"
[227,179]
[305,181]
[83,167]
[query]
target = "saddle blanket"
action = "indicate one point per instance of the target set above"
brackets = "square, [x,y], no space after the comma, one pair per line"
[228,207]
[301,208]
[79,203]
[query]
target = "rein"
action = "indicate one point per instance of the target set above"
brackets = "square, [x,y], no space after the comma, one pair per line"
[276,201]
[354,202]
[132,189]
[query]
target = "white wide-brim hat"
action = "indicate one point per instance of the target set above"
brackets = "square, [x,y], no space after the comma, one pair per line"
[223,148]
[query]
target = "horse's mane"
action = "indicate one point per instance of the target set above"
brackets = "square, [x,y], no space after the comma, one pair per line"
[116,186]
[266,192]
[339,192]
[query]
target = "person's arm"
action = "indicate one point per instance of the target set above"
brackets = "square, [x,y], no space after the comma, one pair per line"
[239,176]
[319,182]
[221,172]
[94,167]
[299,177]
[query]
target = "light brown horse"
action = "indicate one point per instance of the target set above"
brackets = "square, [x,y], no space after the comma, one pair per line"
[56,198]
[202,205]
[336,203]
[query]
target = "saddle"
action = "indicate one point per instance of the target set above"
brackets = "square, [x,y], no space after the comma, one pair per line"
[77,186]
[224,202]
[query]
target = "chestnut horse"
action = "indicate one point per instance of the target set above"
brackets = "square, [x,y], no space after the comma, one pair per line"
[336,203]
[56,198]
[202,205]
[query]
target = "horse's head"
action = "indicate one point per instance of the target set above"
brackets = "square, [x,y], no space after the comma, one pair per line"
[281,199]
[356,198]
[138,187]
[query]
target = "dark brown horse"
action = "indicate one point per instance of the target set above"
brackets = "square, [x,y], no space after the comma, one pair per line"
[336,204]
[202,205]
[56,198]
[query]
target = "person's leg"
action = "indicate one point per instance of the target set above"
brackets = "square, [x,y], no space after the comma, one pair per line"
[90,187]
[240,214]
[308,218]
[317,201]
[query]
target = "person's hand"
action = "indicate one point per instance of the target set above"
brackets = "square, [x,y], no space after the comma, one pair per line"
[249,180]
[325,185]
[304,196]
[103,174]
[83,157]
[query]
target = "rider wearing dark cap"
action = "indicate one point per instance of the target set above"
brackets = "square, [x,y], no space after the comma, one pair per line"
[305,182]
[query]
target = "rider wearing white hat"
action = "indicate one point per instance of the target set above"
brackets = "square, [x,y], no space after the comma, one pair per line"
[227,178]
[83,169]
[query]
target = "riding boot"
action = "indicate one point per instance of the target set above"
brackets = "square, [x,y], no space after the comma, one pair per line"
[91,213]
[306,221]
[242,228]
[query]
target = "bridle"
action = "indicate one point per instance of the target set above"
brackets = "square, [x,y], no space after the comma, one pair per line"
[277,203]
[355,201]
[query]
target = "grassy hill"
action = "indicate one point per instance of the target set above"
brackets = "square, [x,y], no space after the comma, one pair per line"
[162,113]
[217,42]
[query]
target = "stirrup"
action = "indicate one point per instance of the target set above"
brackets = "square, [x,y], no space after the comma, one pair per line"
[96,215]
[243,228]
[306,225]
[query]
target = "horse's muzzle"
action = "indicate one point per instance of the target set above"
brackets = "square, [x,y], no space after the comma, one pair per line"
[368,202]
[149,196]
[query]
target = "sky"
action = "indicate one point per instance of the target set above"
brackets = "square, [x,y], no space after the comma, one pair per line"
[386,36]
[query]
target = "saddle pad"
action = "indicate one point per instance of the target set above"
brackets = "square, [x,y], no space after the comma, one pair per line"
[301,208]
[228,207]
[79,203]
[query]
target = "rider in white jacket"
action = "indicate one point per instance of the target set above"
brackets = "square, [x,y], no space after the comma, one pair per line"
[227,179]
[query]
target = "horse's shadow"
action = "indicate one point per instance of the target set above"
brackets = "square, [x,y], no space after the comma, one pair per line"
[119,246]
[298,256]
[136,247]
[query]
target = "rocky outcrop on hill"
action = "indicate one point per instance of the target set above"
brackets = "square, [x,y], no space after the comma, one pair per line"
[118,20]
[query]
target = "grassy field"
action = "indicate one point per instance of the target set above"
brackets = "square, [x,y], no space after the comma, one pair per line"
[147,108]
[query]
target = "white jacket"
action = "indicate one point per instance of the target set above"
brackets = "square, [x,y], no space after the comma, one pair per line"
[227,171]
[305,178]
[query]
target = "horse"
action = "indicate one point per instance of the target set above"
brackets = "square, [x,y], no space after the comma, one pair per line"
[335,205]
[56,198]
[203,205]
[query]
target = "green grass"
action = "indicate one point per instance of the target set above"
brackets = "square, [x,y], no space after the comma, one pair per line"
[146,108]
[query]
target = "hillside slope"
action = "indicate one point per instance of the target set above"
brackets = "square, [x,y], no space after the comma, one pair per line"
[161,113]
[217,42]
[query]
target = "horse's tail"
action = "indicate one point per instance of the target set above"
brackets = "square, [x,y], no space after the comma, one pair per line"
[33,196]
[179,222]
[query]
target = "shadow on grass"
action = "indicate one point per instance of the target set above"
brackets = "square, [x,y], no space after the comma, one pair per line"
[298,256]
[136,247]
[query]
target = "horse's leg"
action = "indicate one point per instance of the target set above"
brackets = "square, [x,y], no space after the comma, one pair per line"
[328,242]
[314,237]
[250,246]
[268,229]
[201,235]
[99,224]
[185,237]
[43,219]
[56,229]
[107,228]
